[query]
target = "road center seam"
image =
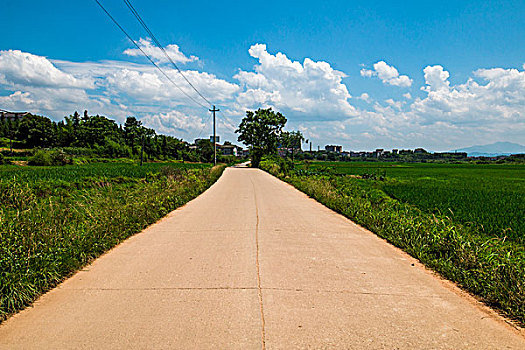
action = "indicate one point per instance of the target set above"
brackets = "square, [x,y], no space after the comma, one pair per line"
[259,289]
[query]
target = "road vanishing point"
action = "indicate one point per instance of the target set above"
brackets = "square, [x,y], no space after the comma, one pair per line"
[255,264]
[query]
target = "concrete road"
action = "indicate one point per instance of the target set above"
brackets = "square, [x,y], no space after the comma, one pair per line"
[255,264]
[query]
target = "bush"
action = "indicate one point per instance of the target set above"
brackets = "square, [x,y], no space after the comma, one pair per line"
[112,149]
[50,158]
[3,160]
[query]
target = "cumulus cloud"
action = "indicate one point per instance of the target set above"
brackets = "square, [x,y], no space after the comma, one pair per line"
[19,68]
[488,106]
[388,75]
[395,104]
[156,53]
[436,78]
[145,83]
[500,100]
[312,89]
[365,97]
[173,123]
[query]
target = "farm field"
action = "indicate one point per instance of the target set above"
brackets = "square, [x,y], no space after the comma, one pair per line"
[79,172]
[490,198]
[54,220]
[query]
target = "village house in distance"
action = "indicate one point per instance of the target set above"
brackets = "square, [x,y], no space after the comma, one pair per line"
[394,154]
[6,115]
[226,149]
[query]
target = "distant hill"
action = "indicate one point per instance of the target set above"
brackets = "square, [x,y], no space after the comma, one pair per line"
[494,149]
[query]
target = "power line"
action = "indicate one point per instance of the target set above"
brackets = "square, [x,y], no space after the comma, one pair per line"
[147,56]
[204,126]
[145,26]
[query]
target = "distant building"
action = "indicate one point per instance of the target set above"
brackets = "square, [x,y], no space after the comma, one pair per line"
[379,152]
[420,150]
[227,150]
[333,148]
[450,155]
[12,115]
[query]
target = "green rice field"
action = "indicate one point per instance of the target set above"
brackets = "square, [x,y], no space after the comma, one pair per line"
[487,197]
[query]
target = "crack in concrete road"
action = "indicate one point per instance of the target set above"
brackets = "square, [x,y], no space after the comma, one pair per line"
[259,290]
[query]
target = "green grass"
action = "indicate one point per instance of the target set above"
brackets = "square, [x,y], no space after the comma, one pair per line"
[75,172]
[481,261]
[55,220]
[489,197]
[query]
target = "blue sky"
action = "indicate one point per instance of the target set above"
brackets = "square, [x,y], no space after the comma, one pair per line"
[363,74]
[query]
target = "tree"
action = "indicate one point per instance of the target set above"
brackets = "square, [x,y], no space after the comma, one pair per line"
[205,150]
[36,131]
[131,131]
[291,140]
[260,131]
[94,130]
[144,133]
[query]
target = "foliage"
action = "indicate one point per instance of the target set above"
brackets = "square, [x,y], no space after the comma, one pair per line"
[260,130]
[55,220]
[36,131]
[49,158]
[205,150]
[93,136]
[488,266]
[291,140]
[3,160]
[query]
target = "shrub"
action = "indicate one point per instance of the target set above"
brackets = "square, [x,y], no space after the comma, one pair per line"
[49,158]
[3,160]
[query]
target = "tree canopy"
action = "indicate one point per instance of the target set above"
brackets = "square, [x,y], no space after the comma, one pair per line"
[86,135]
[260,131]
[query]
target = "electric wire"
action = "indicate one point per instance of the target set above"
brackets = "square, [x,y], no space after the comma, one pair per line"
[147,56]
[203,127]
[146,28]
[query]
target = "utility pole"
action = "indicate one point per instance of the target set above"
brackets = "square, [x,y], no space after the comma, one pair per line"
[214,136]
[142,151]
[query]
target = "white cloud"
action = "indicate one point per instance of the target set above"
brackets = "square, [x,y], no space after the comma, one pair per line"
[365,97]
[312,89]
[388,75]
[144,83]
[174,123]
[395,104]
[436,78]
[156,53]
[19,68]
[488,107]
[500,101]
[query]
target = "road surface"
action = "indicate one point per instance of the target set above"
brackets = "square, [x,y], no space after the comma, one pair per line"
[254,264]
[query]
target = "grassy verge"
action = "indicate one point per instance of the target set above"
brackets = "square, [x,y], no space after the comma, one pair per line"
[492,268]
[52,226]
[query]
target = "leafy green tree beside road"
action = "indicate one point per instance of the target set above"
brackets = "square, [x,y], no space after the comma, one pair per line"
[260,131]
[292,140]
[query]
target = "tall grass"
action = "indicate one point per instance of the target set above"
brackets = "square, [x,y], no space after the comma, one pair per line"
[46,236]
